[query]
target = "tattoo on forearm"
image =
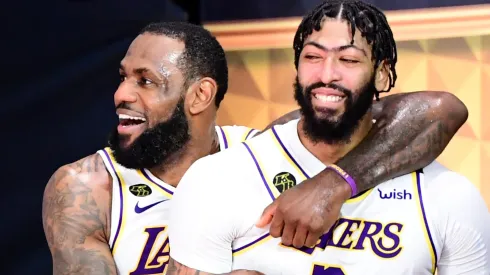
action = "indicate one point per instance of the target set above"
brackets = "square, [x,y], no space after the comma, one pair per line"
[398,146]
[70,215]
[175,268]
[80,261]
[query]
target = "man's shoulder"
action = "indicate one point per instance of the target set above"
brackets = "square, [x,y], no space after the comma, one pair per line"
[447,189]
[436,174]
[85,177]
[89,170]
[225,159]
[225,170]
[80,192]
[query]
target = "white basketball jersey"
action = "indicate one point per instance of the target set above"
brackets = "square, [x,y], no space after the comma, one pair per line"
[382,231]
[140,208]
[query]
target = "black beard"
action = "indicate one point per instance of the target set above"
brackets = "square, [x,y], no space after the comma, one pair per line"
[155,146]
[328,130]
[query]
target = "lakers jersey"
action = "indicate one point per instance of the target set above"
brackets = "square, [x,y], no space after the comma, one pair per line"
[140,209]
[395,228]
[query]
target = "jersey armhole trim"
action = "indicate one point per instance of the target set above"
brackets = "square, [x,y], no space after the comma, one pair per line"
[416,179]
[261,172]
[109,160]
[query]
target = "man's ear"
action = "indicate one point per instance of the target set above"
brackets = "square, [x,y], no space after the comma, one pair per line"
[202,95]
[382,77]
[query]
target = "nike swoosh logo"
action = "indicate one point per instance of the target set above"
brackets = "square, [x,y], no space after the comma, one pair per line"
[140,210]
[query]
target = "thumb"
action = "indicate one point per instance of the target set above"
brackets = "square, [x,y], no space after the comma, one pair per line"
[267,215]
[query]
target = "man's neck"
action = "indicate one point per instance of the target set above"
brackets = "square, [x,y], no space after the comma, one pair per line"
[331,153]
[202,144]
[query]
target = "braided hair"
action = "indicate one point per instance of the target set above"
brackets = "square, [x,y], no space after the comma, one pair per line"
[368,19]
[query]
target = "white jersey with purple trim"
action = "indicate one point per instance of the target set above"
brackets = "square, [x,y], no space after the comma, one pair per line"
[432,218]
[140,207]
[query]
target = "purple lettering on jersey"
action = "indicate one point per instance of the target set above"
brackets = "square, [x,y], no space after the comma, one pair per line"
[347,232]
[322,243]
[381,232]
[158,263]
[369,234]
[322,270]
[395,249]
[375,232]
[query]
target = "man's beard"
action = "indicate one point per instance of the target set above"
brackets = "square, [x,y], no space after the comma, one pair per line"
[328,130]
[155,146]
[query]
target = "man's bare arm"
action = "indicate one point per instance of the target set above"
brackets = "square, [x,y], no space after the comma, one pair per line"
[411,130]
[409,133]
[176,268]
[75,211]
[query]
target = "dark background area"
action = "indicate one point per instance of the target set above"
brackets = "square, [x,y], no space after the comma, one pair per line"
[216,10]
[60,69]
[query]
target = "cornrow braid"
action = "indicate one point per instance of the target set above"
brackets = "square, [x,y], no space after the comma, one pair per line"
[368,19]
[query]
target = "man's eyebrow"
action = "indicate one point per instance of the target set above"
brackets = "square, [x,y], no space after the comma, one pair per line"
[337,49]
[141,70]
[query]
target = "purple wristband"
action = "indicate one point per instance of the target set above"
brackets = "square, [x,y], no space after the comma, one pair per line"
[345,176]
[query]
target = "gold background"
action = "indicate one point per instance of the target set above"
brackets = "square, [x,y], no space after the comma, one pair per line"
[261,90]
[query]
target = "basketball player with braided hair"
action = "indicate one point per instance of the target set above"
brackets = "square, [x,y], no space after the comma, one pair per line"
[370,21]
[431,218]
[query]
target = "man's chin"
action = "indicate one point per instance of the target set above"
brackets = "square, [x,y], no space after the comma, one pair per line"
[327,116]
[124,142]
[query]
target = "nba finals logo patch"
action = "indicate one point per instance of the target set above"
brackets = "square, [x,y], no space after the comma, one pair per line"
[284,181]
[140,190]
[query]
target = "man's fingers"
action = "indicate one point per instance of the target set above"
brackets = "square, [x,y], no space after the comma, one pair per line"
[267,215]
[277,225]
[300,237]
[316,231]
[312,239]
[288,234]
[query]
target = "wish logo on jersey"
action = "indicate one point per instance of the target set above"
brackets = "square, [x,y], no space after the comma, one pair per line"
[395,195]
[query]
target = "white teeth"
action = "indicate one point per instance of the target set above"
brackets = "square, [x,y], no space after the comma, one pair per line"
[122,116]
[328,98]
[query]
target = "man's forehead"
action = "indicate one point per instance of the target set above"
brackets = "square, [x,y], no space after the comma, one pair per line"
[156,48]
[336,33]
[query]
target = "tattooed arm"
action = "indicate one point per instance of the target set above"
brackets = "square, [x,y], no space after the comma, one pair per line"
[391,108]
[411,130]
[176,268]
[76,207]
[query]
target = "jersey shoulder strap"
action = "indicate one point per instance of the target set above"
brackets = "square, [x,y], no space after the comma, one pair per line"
[233,135]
